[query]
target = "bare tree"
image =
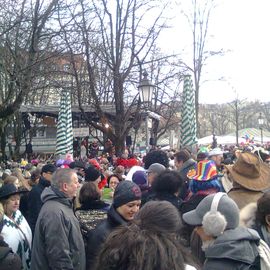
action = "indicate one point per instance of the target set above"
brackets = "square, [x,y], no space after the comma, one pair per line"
[199,20]
[24,33]
[113,36]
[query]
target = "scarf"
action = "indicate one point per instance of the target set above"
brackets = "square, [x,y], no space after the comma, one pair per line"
[266,235]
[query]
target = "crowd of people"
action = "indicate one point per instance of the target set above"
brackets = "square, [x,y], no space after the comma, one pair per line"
[166,210]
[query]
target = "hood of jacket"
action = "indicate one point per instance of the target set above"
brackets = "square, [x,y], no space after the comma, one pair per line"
[53,193]
[239,244]
[115,218]
[176,201]
[188,164]
[248,215]
[44,182]
[94,205]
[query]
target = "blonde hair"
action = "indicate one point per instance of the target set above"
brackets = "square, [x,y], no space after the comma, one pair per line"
[10,179]
[18,173]
[3,204]
[22,181]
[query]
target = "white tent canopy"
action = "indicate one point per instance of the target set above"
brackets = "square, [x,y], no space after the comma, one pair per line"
[251,133]
[227,139]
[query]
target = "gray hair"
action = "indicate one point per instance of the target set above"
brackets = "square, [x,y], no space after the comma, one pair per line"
[62,176]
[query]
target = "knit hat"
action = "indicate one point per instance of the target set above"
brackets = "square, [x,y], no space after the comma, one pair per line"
[94,163]
[48,168]
[125,192]
[24,163]
[76,164]
[202,153]
[92,174]
[156,168]
[60,162]
[139,178]
[35,161]
[7,171]
[206,170]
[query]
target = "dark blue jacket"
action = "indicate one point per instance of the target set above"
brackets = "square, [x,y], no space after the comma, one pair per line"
[35,203]
[99,235]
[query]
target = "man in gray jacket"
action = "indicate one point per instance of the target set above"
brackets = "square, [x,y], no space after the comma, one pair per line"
[58,242]
[227,246]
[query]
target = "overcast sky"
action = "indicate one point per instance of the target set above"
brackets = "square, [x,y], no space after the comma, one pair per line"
[241,26]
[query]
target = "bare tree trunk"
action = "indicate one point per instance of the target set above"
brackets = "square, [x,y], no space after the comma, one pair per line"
[3,143]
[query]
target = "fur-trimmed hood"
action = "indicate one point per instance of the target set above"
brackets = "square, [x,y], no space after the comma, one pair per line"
[248,215]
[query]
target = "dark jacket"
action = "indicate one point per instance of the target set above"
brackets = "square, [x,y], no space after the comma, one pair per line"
[234,249]
[58,242]
[186,167]
[24,205]
[195,199]
[98,236]
[8,260]
[174,200]
[186,230]
[35,203]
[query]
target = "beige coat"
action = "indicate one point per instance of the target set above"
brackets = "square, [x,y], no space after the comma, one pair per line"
[243,197]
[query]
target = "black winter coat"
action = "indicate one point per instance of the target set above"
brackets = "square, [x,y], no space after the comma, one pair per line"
[99,235]
[174,200]
[35,203]
[8,260]
[187,166]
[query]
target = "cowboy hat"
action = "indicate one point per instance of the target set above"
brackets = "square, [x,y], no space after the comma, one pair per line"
[250,172]
[8,190]
[215,152]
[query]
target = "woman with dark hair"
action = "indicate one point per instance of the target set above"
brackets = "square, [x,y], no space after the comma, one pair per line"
[149,242]
[113,180]
[166,187]
[262,224]
[34,179]
[92,209]
[126,203]
[156,156]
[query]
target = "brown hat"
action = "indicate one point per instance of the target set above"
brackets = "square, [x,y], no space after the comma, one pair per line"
[250,172]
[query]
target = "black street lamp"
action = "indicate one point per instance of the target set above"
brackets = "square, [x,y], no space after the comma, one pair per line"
[146,89]
[261,122]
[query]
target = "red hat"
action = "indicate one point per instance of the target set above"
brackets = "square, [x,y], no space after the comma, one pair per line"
[94,163]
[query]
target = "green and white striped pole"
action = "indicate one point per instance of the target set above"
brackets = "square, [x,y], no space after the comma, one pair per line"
[64,135]
[188,126]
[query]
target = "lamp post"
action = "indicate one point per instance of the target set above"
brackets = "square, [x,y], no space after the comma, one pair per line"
[261,122]
[146,91]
